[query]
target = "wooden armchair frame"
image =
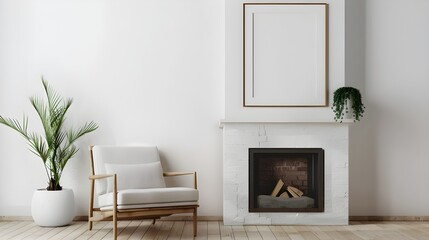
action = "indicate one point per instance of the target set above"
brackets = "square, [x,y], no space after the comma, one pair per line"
[139,213]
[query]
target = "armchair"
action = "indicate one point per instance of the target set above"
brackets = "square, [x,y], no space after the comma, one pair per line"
[128,183]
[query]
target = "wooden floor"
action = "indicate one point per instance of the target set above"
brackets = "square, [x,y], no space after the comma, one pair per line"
[216,230]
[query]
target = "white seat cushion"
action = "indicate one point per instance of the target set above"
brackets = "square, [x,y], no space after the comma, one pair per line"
[150,196]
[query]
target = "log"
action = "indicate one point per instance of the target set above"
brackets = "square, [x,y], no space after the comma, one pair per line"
[284,195]
[295,192]
[277,188]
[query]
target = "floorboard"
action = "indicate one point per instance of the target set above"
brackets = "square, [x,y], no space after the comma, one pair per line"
[215,230]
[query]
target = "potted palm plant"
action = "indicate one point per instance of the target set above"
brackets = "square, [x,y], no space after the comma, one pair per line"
[348,104]
[53,205]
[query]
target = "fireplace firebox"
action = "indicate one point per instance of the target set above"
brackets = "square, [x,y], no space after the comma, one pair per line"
[286,180]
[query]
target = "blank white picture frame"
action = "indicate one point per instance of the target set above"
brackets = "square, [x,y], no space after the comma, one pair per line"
[285,55]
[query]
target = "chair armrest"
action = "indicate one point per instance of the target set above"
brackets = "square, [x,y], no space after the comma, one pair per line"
[174,174]
[115,188]
[100,176]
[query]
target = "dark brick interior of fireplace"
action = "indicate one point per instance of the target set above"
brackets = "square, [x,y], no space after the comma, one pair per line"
[302,168]
[292,171]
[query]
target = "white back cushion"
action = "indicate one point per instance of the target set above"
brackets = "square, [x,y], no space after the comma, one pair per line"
[103,155]
[136,176]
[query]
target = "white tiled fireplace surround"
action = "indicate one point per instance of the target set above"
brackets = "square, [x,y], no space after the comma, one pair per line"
[238,137]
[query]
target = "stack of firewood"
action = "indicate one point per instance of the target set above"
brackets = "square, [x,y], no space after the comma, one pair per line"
[293,191]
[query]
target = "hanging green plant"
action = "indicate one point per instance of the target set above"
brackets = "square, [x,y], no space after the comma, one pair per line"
[341,95]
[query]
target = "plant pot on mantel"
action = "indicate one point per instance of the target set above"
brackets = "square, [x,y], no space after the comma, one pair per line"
[53,208]
[348,112]
[347,104]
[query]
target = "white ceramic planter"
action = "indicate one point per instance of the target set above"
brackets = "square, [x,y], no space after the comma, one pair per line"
[53,208]
[348,111]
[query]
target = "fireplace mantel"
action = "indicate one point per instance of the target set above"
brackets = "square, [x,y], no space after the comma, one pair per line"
[222,122]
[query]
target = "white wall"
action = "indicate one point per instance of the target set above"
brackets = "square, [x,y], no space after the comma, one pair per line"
[146,71]
[388,58]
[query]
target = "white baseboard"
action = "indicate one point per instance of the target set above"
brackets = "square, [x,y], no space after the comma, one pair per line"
[389,218]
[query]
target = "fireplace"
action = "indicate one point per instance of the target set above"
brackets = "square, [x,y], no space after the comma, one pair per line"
[238,138]
[286,180]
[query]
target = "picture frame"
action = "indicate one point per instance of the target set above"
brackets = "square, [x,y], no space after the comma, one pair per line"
[285,54]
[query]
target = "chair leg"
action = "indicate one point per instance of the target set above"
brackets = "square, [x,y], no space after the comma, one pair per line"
[91,205]
[115,208]
[91,214]
[89,224]
[153,221]
[195,222]
[115,225]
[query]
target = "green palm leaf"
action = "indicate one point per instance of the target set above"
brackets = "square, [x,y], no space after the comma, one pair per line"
[55,148]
